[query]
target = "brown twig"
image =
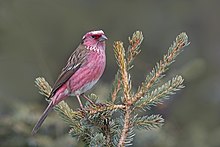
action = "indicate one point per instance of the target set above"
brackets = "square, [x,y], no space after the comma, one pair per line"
[104,107]
[135,43]
[124,65]
[116,88]
[120,56]
[126,127]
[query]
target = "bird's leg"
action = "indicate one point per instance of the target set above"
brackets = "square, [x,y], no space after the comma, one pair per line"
[88,99]
[80,103]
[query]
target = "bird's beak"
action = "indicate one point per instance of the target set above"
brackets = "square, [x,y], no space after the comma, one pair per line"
[103,38]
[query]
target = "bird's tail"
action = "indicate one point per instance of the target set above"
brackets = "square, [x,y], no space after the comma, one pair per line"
[42,118]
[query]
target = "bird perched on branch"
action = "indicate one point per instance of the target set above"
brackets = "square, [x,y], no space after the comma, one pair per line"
[84,68]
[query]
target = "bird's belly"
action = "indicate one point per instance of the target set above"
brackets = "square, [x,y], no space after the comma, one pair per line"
[85,88]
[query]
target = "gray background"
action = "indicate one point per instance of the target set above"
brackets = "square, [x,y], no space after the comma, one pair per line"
[37,37]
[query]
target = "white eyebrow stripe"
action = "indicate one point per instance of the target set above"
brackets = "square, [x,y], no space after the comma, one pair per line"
[97,32]
[93,33]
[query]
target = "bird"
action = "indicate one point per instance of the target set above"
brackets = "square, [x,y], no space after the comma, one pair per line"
[84,68]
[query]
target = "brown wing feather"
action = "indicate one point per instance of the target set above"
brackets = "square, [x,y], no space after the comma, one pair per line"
[74,62]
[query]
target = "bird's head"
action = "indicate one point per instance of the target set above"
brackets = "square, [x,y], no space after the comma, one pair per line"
[94,40]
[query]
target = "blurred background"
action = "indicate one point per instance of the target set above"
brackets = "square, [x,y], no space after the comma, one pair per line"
[37,37]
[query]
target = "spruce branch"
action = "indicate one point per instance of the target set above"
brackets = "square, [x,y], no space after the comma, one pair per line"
[125,78]
[98,140]
[68,115]
[148,122]
[125,130]
[126,82]
[159,94]
[133,50]
[116,87]
[103,107]
[65,112]
[95,124]
[157,73]
[45,89]
[134,46]
[43,86]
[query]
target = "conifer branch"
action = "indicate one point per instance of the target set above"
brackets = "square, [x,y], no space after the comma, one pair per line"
[73,118]
[103,107]
[133,49]
[43,86]
[126,127]
[158,71]
[95,124]
[159,94]
[125,78]
[65,112]
[116,87]
[68,115]
[126,83]
[148,122]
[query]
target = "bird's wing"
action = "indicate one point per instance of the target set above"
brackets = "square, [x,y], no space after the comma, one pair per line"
[75,61]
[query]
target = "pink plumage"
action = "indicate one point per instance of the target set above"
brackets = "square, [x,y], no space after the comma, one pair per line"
[84,68]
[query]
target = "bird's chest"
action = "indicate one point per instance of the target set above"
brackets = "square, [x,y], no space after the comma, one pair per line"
[96,61]
[95,66]
[88,75]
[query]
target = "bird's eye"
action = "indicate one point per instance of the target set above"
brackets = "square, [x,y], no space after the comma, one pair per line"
[96,36]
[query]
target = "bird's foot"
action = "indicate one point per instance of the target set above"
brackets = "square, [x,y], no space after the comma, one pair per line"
[91,102]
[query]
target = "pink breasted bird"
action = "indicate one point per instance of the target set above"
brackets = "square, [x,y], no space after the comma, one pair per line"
[84,68]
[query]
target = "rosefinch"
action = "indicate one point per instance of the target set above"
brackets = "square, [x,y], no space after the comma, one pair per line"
[84,68]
